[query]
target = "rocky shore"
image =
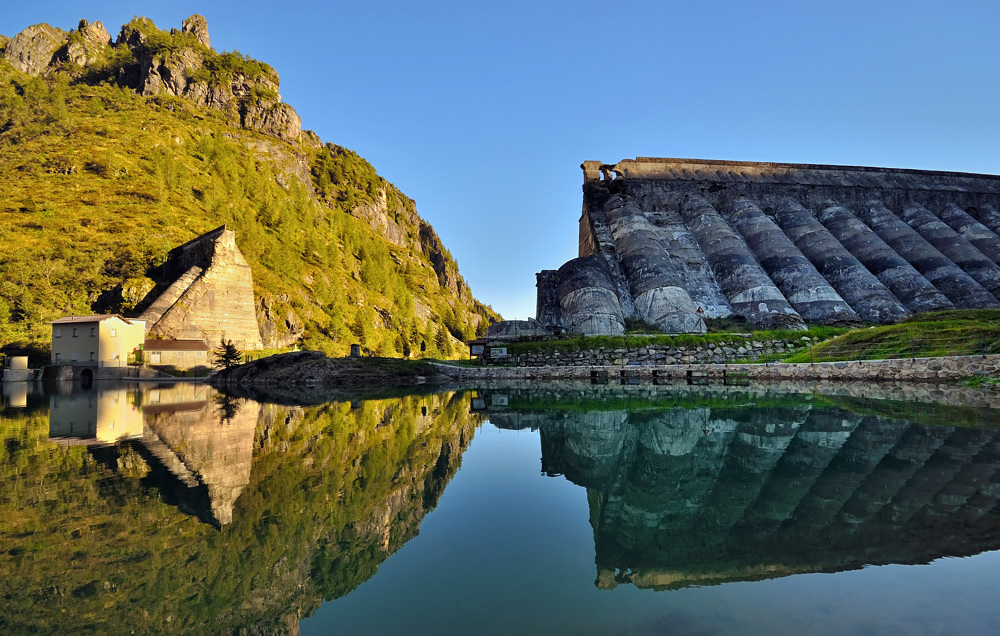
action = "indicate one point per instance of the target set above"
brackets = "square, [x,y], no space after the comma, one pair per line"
[313,369]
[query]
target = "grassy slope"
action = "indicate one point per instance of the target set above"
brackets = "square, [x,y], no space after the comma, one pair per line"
[958,332]
[98,183]
[946,333]
[635,341]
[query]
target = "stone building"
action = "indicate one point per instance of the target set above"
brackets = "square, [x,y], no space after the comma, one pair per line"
[208,295]
[673,242]
[179,354]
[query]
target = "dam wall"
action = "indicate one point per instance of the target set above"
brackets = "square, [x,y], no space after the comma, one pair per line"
[683,241]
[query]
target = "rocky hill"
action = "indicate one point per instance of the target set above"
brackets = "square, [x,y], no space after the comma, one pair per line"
[113,151]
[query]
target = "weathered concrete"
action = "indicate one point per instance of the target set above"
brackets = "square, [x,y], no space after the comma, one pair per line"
[959,287]
[212,297]
[749,289]
[588,303]
[813,298]
[655,280]
[515,329]
[905,282]
[985,240]
[866,294]
[988,216]
[951,244]
[688,260]
[685,240]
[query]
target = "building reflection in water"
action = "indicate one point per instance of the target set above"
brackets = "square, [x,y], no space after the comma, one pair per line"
[702,495]
[198,443]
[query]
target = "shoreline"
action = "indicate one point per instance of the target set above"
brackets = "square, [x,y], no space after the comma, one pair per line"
[919,370]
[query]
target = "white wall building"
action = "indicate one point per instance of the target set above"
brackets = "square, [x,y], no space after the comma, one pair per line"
[99,341]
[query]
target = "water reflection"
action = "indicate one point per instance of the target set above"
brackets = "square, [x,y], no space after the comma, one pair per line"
[175,506]
[710,491]
[106,494]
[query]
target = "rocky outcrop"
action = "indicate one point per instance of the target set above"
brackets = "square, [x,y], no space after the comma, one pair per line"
[778,245]
[286,371]
[188,67]
[197,26]
[209,295]
[87,46]
[33,50]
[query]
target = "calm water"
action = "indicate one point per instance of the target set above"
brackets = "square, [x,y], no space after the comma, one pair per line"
[581,510]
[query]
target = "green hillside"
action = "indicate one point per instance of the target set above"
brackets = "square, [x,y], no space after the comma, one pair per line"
[99,182]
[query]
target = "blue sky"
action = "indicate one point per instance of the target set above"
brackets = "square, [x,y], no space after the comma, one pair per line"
[483,112]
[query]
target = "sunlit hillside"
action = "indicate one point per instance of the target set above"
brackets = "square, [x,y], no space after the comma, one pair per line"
[99,182]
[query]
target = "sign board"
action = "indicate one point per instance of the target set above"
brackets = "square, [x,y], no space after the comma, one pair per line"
[499,400]
[498,352]
[477,349]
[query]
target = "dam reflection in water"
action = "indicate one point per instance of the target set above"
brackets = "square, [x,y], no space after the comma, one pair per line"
[696,495]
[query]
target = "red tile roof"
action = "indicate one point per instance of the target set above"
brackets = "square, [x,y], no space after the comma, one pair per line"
[79,319]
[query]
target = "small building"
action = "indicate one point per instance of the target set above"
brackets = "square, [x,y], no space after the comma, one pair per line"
[179,354]
[486,350]
[15,369]
[97,341]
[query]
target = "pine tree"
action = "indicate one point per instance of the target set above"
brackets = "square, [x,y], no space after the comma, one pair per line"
[227,355]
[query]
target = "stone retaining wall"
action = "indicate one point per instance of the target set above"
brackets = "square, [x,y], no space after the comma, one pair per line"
[713,353]
[907,370]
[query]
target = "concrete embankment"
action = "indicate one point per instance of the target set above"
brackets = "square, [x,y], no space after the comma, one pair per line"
[941,369]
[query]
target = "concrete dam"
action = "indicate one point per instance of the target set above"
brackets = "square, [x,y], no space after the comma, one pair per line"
[675,242]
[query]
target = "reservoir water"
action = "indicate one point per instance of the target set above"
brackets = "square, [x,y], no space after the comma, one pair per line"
[573,510]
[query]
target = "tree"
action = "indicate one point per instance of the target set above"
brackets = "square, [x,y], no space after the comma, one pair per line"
[226,355]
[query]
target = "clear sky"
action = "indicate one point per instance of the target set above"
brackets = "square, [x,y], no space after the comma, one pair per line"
[483,111]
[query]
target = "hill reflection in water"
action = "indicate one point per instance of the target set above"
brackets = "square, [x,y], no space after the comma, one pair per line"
[129,506]
[708,490]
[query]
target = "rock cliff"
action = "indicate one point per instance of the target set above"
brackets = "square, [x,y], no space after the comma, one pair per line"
[181,63]
[672,242]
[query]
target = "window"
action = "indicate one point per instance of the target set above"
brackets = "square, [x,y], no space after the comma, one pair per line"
[93,356]
[73,357]
[58,358]
[57,332]
[114,333]
[93,331]
[74,332]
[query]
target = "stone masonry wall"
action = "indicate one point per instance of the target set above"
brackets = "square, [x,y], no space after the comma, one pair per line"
[907,370]
[717,353]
